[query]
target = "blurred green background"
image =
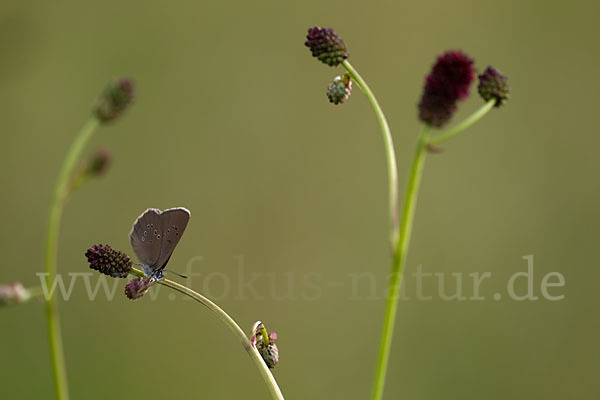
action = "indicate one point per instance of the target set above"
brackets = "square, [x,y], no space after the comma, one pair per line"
[232,122]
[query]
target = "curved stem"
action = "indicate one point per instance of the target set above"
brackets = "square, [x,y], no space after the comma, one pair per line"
[408,215]
[60,194]
[389,149]
[231,324]
[36,291]
[470,120]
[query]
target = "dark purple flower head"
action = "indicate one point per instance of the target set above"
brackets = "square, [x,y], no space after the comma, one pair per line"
[339,89]
[100,162]
[137,287]
[494,85]
[115,99]
[108,261]
[326,45]
[447,83]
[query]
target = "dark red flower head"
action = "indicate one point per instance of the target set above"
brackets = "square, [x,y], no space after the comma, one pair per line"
[137,287]
[115,99]
[108,261]
[100,162]
[447,83]
[494,85]
[326,45]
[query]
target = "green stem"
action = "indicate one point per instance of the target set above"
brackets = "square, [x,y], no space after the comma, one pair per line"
[60,193]
[470,120]
[408,215]
[36,291]
[389,149]
[231,324]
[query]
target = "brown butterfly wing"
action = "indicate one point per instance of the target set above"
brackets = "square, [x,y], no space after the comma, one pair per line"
[174,221]
[146,236]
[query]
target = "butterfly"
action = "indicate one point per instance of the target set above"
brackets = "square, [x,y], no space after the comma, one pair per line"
[154,236]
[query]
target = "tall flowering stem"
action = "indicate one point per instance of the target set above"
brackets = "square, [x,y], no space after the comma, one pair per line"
[389,150]
[109,106]
[447,84]
[232,325]
[408,215]
[61,191]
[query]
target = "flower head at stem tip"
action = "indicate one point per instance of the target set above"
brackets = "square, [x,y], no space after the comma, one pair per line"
[265,344]
[326,45]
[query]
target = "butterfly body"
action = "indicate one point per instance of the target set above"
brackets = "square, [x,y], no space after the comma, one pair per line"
[155,235]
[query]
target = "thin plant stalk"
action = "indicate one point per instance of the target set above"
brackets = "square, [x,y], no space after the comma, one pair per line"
[400,236]
[389,150]
[37,291]
[405,232]
[408,215]
[60,194]
[470,120]
[231,324]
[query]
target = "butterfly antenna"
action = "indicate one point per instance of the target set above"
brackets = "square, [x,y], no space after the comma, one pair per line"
[176,273]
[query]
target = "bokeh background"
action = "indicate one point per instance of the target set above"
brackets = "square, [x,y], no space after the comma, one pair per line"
[232,122]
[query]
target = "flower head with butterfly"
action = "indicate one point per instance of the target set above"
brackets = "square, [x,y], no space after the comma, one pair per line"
[153,237]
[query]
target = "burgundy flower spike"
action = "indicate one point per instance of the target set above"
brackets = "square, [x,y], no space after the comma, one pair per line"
[108,261]
[494,85]
[447,83]
[326,45]
[115,99]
